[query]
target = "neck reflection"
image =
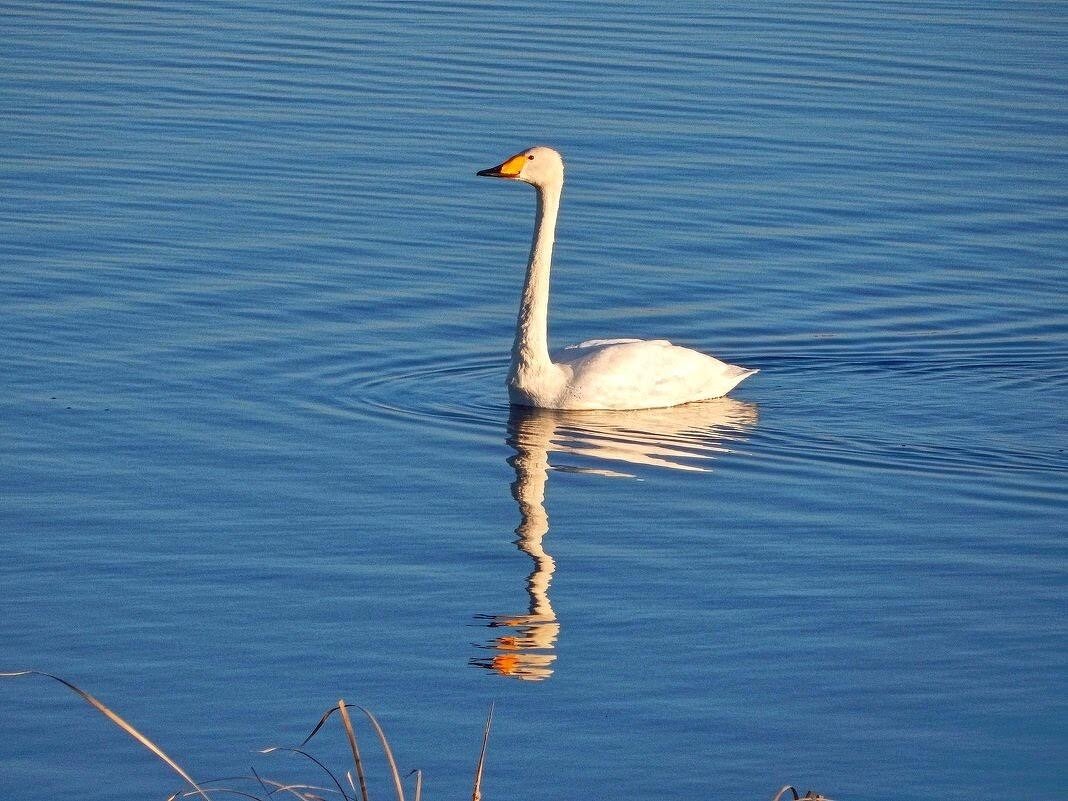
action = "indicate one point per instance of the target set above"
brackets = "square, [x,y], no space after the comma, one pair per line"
[605,443]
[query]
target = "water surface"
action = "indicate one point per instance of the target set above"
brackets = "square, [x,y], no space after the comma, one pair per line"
[257,454]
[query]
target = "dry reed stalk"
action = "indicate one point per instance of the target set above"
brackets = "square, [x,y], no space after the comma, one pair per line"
[306,755]
[811,795]
[295,789]
[398,786]
[350,732]
[476,793]
[118,721]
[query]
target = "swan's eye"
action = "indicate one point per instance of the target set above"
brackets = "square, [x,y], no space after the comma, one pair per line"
[530,157]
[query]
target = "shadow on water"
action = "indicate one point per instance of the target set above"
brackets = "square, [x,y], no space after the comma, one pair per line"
[679,438]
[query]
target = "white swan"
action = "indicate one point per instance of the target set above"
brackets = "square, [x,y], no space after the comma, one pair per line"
[600,373]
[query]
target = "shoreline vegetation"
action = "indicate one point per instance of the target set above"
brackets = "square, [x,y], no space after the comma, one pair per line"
[357,785]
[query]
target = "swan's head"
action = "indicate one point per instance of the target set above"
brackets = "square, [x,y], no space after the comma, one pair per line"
[538,166]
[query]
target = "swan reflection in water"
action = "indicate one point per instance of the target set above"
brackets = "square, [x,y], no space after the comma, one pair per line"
[678,438]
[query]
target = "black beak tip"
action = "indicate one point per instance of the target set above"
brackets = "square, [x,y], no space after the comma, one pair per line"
[489,173]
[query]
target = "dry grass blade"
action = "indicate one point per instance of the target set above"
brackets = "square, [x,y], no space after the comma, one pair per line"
[350,732]
[310,791]
[306,795]
[389,754]
[476,793]
[292,789]
[118,721]
[319,725]
[260,781]
[305,754]
[418,784]
[302,796]
[287,788]
[810,795]
[263,783]
[227,790]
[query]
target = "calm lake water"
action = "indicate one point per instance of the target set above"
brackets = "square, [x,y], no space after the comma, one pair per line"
[256,452]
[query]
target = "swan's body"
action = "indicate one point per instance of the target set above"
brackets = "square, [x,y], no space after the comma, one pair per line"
[602,373]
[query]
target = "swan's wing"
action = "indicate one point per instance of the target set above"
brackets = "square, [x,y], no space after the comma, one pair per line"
[634,374]
[596,343]
[572,353]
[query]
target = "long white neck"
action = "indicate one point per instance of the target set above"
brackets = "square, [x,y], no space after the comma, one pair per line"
[531,348]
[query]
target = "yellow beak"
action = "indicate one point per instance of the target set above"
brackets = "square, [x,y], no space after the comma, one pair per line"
[509,169]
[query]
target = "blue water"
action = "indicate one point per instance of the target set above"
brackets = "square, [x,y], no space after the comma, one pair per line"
[256,452]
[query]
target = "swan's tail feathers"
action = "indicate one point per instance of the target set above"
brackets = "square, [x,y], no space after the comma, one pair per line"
[740,373]
[735,375]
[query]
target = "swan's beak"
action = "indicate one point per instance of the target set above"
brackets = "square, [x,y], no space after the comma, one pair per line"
[509,169]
